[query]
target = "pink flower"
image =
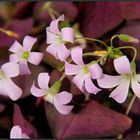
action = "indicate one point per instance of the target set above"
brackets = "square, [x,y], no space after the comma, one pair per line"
[16,133]
[83,73]
[7,86]
[57,39]
[23,54]
[59,100]
[128,78]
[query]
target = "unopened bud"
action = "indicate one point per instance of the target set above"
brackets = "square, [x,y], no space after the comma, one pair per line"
[127,38]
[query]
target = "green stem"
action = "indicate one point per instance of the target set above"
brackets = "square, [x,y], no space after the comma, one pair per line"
[130,47]
[95,53]
[112,38]
[96,61]
[92,39]
[55,12]
[130,104]
[62,68]
[120,136]
[51,14]
[62,77]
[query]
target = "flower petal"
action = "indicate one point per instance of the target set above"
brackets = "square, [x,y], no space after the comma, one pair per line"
[28,42]
[108,81]
[63,53]
[43,80]
[23,67]
[36,91]
[16,132]
[71,69]
[90,87]
[25,136]
[10,89]
[10,69]
[64,97]
[52,49]
[35,58]
[135,87]
[138,77]
[63,109]
[3,82]
[79,80]
[52,38]
[67,34]
[16,47]
[76,54]
[14,58]
[122,65]
[95,71]
[13,91]
[54,24]
[120,93]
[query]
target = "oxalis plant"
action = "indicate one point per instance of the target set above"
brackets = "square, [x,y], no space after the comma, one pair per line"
[58,37]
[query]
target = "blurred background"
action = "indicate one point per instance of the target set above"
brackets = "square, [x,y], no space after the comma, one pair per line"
[91,19]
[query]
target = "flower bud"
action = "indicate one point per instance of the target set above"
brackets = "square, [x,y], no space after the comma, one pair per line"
[127,38]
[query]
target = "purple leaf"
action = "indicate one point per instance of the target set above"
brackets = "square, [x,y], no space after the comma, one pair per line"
[17,26]
[25,82]
[135,107]
[21,9]
[69,9]
[2,107]
[93,121]
[100,17]
[130,10]
[18,119]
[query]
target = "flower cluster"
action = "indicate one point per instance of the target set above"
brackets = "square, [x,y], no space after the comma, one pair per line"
[89,78]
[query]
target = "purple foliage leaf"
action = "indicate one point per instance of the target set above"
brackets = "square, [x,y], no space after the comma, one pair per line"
[105,16]
[18,119]
[26,81]
[103,121]
[130,10]
[2,107]
[93,121]
[21,9]
[21,27]
[69,9]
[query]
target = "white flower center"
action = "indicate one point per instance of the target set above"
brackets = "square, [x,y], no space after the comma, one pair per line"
[130,76]
[49,97]
[60,41]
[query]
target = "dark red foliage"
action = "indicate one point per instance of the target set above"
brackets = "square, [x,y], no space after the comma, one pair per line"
[105,16]
[93,121]
[21,27]
[18,119]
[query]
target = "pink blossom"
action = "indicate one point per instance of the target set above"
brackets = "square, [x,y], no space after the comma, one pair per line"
[22,55]
[83,73]
[59,100]
[16,133]
[7,86]
[57,39]
[126,79]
